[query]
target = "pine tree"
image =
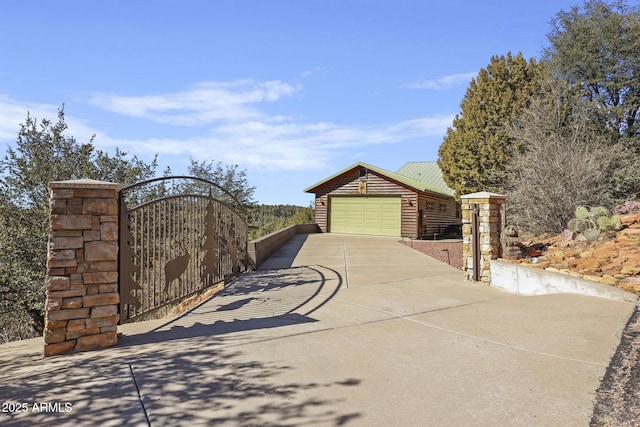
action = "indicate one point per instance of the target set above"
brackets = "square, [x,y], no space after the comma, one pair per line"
[478,145]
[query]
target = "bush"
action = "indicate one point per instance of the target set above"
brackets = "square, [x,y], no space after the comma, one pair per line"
[567,161]
[592,222]
[42,153]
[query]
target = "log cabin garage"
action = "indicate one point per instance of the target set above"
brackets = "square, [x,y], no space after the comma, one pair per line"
[413,202]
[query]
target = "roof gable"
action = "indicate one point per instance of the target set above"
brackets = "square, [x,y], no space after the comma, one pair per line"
[403,179]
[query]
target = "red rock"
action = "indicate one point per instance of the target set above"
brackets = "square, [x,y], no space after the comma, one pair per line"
[75,302]
[52,336]
[59,348]
[550,240]
[608,280]
[628,219]
[82,332]
[100,277]
[108,288]
[628,236]
[55,324]
[614,264]
[585,264]
[101,251]
[100,299]
[76,324]
[54,304]
[605,252]
[76,313]
[66,294]
[91,342]
[96,192]
[102,322]
[57,283]
[628,252]
[630,284]
[71,222]
[104,311]
[99,206]
[610,271]
[630,269]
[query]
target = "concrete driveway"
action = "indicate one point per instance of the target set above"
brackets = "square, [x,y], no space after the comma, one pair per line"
[336,330]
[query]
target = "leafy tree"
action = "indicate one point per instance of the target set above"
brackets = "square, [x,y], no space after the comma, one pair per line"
[598,46]
[228,177]
[42,153]
[566,161]
[303,216]
[478,145]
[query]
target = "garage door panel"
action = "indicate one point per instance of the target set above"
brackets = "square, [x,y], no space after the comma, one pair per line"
[366,215]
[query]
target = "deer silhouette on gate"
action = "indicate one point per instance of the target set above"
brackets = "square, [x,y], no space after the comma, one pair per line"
[175,268]
[178,236]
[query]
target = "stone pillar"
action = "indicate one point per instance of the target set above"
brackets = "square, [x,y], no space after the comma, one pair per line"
[490,212]
[81,311]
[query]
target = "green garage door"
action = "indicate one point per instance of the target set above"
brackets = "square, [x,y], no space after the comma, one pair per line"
[366,215]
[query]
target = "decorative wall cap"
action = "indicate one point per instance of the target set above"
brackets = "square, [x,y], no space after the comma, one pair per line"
[483,195]
[86,183]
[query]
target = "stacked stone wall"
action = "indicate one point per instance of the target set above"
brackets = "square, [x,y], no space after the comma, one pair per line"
[490,208]
[82,267]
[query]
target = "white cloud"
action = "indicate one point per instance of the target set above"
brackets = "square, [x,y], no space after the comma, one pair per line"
[231,127]
[307,73]
[204,103]
[268,145]
[13,113]
[442,83]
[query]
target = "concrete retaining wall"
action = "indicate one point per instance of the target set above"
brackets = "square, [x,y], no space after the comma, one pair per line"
[526,280]
[263,247]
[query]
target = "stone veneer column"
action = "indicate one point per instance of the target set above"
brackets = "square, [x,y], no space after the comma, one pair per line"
[81,312]
[491,221]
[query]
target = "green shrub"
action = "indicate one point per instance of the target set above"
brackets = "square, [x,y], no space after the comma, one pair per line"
[582,213]
[591,234]
[592,222]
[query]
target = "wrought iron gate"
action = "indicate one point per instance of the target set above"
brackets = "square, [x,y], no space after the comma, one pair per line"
[178,236]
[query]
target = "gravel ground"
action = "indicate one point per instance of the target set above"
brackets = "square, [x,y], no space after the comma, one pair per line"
[618,397]
[447,251]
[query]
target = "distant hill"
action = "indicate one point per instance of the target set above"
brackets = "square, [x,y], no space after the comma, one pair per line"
[265,219]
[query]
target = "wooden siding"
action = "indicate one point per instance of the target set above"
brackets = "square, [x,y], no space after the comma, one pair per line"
[410,216]
[377,185]
[435,219]
[322,208]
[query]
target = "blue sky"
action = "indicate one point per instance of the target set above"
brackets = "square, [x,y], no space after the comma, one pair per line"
[291,91]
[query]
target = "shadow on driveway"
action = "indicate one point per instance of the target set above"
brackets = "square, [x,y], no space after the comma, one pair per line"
[188,371]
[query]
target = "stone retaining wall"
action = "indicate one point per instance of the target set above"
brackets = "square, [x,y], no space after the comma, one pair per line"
[82,267]
[491,221]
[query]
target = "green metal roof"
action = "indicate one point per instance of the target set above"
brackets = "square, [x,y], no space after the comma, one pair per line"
[427,172]
[409,181]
